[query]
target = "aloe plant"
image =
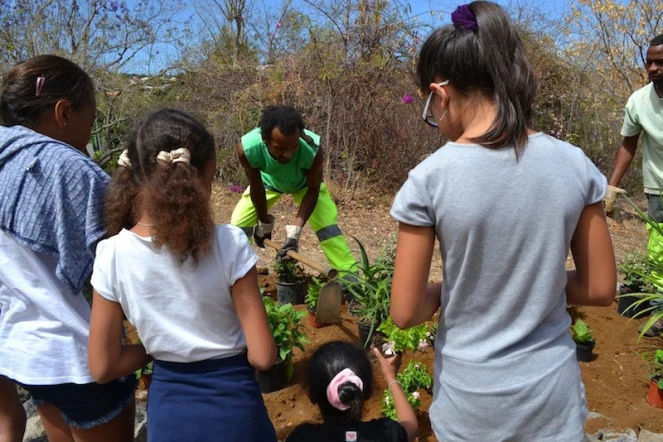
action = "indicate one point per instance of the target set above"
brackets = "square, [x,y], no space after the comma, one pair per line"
[370,288]
[653,277]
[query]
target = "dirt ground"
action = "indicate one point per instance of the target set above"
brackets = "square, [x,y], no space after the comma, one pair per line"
[616,381]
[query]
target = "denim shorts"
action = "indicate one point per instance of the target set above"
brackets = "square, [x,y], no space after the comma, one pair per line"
[86,406]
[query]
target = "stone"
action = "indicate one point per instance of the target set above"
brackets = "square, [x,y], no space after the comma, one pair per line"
[140,430]
[648,436]
[627,436]
[34,430]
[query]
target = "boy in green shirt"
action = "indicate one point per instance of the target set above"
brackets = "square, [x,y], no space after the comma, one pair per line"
[643,116]
[281,157]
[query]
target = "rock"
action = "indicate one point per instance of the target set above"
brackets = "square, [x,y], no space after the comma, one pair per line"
[23,394]
[592,415]
[34,430]
[648,436]
[140,430]
[628,436]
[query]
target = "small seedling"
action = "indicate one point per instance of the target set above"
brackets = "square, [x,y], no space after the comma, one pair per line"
[581,333]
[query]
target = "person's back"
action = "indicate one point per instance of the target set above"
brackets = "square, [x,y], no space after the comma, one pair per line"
[189,287]
[51,219]
[506,204]
[183,312]
[505,233]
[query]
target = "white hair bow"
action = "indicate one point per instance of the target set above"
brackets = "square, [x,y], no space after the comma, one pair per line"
[123,161]
[174,156]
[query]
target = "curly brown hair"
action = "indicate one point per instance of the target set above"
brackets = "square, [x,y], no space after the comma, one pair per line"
[173,195]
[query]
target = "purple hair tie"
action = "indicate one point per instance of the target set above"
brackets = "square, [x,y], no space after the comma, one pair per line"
[463,18]
[40,85]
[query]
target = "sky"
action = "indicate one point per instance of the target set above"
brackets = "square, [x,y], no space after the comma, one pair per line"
[432,12]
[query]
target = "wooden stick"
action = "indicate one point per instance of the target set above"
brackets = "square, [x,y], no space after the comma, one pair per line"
[326,270]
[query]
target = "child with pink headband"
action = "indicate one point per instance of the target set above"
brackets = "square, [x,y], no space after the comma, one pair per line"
[340,379]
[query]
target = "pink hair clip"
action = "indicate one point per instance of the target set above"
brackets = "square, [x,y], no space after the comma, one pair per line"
[40,85]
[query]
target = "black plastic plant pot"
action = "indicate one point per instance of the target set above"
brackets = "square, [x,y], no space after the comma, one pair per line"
[365,335]
[291,292]
[584,351]
[274,379]
[624,303]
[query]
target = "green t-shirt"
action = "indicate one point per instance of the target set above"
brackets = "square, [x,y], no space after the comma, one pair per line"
[285,178]
[644,114]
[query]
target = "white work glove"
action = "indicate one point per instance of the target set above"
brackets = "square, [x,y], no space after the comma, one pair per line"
[292,241]
[263,231]
[611,197]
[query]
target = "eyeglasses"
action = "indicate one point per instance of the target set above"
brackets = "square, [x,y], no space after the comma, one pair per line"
[427,115]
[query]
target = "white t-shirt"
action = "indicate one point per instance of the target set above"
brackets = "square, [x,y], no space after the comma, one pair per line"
[182,313]
[43,327]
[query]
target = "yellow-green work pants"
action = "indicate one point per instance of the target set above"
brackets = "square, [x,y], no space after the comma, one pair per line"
[323,221]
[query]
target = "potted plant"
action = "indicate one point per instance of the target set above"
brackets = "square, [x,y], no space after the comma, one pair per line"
[290,282]
[311,301]
[285,324]
[582,336]
[370,290]
[398,340]
[655,392]
[635,269]
[414,377]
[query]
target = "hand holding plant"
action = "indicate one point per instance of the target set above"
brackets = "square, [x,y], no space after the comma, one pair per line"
[388,366]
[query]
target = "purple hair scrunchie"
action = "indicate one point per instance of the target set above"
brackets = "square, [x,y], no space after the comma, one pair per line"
[463,18]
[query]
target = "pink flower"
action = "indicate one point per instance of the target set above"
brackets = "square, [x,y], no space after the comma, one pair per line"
[278,25]
[407,99]
[416,395]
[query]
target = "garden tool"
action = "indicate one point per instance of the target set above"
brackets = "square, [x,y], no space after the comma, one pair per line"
[331,294]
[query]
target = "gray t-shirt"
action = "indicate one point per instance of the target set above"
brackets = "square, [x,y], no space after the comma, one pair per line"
[505,364]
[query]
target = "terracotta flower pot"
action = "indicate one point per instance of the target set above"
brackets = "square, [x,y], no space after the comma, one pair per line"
[655,394]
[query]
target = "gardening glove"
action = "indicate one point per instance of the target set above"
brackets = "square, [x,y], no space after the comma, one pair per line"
[263,231]
[292,241]
[611,197]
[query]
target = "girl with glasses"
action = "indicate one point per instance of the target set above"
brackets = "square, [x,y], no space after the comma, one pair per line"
[506,203]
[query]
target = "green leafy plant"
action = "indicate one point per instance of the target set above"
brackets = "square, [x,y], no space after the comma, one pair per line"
[657,368]
[288,271]
[388,406]
[313,294]
[398,340]
[414,377]
[287,329]
[370,288]
[635,268]
[581,333]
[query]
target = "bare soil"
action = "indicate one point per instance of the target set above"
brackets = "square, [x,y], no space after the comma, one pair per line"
[616,381]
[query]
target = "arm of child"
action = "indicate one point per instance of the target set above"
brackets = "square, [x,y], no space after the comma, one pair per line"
[108,358]
[595,278]
[404,412]
[253,317]
[413,300]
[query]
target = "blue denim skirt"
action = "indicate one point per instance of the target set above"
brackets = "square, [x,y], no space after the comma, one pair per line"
[216,399]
